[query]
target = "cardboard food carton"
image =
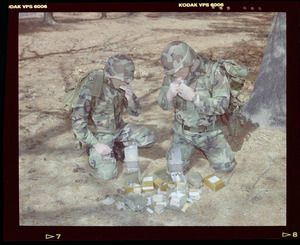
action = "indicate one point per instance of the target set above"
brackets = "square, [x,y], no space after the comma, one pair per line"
[136,188]
[161,179]
[213,182]
[147,183]
[131,183]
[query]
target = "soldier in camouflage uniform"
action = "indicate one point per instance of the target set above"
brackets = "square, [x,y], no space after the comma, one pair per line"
[197,108]
[99,123]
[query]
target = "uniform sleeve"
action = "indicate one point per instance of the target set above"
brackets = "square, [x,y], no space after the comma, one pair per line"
[80,118]
[218,103]
[136,109]
[162,97]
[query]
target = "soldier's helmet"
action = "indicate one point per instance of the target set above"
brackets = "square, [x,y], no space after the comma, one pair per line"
[121,67]
[177,55]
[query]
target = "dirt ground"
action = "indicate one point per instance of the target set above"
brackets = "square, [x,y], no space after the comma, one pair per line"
[59,188]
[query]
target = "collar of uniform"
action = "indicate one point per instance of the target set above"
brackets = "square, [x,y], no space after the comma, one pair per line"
[201,66]
[108,83]
[198,71]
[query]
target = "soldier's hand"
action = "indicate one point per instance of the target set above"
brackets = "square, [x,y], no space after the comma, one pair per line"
[128,93]
[186,92]
[173,90]
[102,149]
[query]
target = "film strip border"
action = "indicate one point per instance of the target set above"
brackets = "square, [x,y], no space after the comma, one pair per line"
[178,6]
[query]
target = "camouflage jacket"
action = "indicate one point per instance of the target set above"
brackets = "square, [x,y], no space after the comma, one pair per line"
[213,98]
[102,114]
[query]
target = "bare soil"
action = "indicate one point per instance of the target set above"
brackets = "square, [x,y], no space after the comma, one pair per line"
[57,185]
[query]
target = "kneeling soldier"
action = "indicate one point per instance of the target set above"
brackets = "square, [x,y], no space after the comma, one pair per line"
[197,105]
[98,123]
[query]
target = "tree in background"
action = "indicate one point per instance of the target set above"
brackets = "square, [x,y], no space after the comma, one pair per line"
[267,103]
[103,15]
[266,106]
[49,19]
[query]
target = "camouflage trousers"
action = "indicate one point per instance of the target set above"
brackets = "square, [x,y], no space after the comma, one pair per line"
[211,142]
[128,134]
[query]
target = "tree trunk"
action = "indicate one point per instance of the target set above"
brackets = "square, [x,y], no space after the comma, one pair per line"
[103,15]
[49,19]
[267,103]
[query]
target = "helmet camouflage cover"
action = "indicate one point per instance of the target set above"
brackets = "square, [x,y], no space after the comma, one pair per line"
[121,67]
[177,55]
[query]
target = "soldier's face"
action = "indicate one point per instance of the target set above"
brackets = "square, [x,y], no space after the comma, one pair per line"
[118,83]
[185,71]
[182,73]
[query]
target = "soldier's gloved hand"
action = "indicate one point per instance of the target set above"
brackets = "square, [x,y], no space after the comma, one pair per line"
[186,92]
[102,149]
[173,90]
